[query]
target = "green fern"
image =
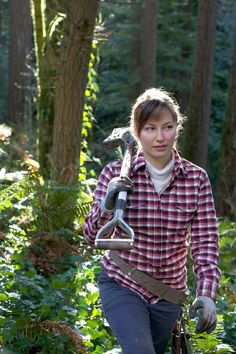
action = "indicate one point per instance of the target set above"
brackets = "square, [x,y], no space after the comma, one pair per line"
[16,191]
[83,209]
[32,331]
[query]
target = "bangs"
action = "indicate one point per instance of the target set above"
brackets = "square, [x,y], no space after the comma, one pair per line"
[153,109]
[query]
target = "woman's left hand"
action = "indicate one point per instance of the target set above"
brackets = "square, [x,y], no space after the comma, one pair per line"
[204,308]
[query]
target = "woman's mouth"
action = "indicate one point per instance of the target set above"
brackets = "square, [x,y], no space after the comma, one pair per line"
[159,147]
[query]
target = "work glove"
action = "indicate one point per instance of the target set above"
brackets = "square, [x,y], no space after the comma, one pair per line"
[116,185]
[204,308]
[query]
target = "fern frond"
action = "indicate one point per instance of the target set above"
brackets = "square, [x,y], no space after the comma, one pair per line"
[80,210]
[58,327]
[83,209]
[17,190]
[32,330]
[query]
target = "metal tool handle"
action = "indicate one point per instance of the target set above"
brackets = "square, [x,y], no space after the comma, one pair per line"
[102,242]
[104,238]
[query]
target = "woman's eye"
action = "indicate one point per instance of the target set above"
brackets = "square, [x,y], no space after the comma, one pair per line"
[167,127]
[149,128]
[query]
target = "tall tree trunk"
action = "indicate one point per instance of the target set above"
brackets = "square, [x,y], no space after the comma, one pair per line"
[134,52]
[3,88]
[185,54]
[47,62]
[20,76]
[196,140]
[148,67]
[70,90]
[1,29]
[226,183]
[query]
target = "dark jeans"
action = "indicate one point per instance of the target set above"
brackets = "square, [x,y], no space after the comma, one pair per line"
[139,327]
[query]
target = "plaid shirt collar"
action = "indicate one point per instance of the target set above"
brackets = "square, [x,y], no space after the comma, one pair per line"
[179,167]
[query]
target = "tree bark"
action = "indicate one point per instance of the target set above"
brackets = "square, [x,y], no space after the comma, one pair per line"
[196,138]
[226,183]
[134,52]
[3,93]
[1,27]
[185,54]
[20,76]
[70,90]
[148,67]
[47,61]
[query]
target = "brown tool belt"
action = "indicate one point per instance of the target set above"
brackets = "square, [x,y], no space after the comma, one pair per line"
[155,286]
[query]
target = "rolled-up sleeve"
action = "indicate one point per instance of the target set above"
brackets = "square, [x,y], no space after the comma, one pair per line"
[204,241]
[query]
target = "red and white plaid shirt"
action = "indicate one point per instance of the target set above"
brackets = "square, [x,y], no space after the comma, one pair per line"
[162,225]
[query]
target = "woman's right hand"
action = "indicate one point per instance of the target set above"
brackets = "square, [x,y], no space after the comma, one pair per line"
[116,185]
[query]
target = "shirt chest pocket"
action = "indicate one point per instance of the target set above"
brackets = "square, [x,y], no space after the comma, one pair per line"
[177,217]
[139,214]
[134,208]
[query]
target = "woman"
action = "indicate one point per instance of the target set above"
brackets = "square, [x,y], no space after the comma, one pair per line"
[169,199]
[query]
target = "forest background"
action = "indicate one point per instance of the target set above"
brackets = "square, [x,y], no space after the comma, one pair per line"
[69,73]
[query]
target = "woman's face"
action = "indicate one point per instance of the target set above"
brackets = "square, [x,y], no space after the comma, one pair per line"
[157,138]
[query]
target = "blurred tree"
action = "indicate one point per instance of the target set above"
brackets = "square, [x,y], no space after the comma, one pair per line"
[1,24]
[148,66]
[1,39]
[135,50]
[117,59]
[226,186]
[48,18]
[3,59]
[220,87]
[20,73]
[70,90]
[185,53]
[175,38]
[119,70]
[196,139]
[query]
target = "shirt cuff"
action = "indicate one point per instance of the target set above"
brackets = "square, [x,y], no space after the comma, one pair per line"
[207,288]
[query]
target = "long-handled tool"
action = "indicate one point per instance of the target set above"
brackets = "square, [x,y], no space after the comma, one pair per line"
[105,237]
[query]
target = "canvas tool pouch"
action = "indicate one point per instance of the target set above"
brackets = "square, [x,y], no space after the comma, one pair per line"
[155,286]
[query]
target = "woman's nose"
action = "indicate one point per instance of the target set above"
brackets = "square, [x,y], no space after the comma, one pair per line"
[159,135]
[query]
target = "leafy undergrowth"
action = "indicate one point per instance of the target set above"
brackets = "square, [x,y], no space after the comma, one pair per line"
[49,301]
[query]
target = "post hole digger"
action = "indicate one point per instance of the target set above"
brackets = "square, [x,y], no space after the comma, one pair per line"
[104,238]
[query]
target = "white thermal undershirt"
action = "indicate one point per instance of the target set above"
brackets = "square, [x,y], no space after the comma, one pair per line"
[161,178]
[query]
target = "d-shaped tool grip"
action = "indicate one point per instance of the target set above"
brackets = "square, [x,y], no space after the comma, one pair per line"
[111,243]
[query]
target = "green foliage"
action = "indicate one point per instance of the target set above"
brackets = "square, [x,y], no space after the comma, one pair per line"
[89,162]
[64,290]
[31,294]
[113,78]
[176,33]
[119,84]
[227,291]
[70,298]
[223,60]
[49,300]
[69,295]
[48,293]
[223,339]
[174,62]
